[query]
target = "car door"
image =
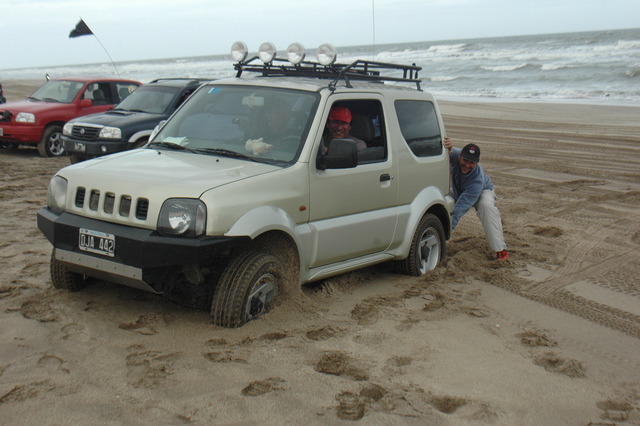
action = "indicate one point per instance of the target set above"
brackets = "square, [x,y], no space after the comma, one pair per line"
[353,211]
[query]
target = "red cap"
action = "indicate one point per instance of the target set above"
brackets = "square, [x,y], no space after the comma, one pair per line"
[341,114]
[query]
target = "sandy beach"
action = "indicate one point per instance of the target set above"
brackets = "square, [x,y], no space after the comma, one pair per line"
[551,337]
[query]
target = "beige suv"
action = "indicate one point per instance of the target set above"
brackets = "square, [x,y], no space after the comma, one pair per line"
[241,193]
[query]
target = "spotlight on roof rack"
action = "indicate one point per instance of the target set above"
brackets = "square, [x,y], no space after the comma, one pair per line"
[239,51]
[267,52]
[295,53]
[326,54]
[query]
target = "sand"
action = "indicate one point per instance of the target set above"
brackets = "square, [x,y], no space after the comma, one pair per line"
[551,337]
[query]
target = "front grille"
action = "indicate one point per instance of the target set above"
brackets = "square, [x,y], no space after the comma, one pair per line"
[85,133]
[112,203]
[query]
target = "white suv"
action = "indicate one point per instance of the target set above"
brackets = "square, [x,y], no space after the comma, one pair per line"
[224,207]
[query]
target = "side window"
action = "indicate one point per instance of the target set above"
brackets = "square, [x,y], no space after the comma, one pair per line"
[419,127]
[99,93]
[124,90]
[367,125]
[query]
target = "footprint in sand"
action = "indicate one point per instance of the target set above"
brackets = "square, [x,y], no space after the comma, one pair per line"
[38,310]
[553,363]
[260,387]
[148,368]
[341,364]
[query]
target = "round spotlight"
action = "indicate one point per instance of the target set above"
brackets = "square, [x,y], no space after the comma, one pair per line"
[295,53]
[239,51]
[326,54]
[267,52]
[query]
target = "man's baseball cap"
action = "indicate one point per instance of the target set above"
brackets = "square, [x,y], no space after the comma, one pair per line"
[471,152]
[340,114]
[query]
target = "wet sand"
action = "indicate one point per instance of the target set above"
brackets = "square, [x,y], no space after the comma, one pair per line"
[551,337]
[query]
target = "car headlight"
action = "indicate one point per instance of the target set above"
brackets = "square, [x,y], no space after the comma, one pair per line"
[67,130]
[110,133]
[57,194]
[25,117]
[182,216]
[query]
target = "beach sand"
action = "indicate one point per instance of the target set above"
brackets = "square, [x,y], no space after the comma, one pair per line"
[551,337]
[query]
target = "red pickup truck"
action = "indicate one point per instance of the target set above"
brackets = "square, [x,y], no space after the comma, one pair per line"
[39,119]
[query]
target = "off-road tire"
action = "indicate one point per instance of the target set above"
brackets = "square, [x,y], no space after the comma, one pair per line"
[246,289]
[64,279]
[427,248]
[75,158]
[50,144]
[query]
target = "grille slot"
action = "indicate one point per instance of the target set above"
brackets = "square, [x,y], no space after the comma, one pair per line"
[94,199]
[142,208]
[80,192]
[109,201]
[125,205]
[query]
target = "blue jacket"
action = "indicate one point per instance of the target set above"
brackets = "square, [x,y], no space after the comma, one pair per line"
[466,189]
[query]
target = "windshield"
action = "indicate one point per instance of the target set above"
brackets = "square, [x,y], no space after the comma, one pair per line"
[265,124]
[58,91]
[153,99]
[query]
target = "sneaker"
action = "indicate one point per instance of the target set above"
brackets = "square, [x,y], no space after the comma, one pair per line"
[502,255]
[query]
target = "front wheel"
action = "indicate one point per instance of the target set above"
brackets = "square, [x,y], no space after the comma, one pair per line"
[63,278]
[246,289]
[50,144]
[427,248]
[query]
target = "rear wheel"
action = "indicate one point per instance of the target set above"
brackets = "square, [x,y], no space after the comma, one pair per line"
[50,144]
[427,248]
[246,289]
[65,279]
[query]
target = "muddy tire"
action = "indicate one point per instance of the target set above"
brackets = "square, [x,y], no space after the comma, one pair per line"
[50,144]
[246,289]
[64,279]
[427,248]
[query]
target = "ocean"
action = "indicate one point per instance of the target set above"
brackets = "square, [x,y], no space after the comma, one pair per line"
[591,67]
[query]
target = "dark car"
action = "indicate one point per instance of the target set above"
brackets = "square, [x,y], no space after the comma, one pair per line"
[38,120]
[130,124]
[2,98]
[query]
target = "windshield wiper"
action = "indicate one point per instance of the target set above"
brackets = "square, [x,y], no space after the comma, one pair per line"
[33,98]
[228,153]
[171,145]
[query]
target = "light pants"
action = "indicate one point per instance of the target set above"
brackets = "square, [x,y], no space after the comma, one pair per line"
[490,217]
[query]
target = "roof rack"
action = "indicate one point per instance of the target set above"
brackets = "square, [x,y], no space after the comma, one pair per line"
[357,70]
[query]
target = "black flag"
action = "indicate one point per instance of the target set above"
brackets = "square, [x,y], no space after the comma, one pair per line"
[80,30]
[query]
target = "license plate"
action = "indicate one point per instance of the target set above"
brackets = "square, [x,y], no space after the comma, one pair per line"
[1,131]
[79,147]
[97,242]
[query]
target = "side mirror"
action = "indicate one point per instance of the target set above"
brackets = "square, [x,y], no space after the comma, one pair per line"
[342,154]
[86,103]
[156,129]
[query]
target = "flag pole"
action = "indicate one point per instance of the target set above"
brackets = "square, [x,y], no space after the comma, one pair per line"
[82,29]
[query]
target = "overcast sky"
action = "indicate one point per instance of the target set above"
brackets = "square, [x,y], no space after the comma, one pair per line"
[35,33]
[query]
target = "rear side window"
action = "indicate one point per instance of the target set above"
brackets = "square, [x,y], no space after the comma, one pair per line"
[419,126]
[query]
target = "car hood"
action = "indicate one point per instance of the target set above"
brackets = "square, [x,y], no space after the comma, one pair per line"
[29,106]
[119,118]
[160,174]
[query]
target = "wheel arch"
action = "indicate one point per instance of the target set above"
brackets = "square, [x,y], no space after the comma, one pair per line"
[429,200]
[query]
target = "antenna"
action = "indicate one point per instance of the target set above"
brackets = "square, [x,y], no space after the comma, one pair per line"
[373,21]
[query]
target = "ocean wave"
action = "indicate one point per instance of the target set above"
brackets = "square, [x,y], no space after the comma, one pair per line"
[447,48]
[504,68]
[553,67]
[443,78]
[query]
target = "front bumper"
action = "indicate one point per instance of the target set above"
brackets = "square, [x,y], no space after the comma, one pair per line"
[25,134]
[93,148]
[140,254]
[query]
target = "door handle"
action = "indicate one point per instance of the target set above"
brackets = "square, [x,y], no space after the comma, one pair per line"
[385,177]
